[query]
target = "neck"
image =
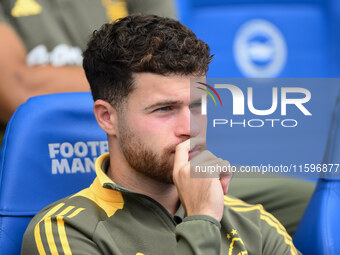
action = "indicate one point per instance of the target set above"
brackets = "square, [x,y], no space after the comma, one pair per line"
[165,194]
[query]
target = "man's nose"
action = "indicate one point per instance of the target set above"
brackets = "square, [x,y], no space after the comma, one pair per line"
[186,125]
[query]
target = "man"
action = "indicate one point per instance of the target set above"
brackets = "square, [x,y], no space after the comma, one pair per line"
[143,200]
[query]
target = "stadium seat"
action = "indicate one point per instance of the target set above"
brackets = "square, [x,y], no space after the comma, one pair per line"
[267,38]
[319,230]
[48,152]
[276,39]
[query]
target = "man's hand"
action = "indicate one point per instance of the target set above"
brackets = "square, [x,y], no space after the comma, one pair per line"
[199,195]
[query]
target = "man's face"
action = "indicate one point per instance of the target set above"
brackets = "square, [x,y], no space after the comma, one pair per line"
[159,114]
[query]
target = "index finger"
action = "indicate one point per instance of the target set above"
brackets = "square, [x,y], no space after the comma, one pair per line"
[183,149]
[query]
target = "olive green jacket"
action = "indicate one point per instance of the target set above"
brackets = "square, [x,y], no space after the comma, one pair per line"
[109,219]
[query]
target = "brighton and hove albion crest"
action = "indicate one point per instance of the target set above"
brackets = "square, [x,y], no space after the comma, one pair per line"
[259,49]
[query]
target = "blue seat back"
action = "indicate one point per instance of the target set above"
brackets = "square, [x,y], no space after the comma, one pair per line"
[267,38]
[319,230]
[276,39]
[47,153]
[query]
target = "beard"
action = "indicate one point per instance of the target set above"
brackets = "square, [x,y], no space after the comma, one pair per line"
[144,160]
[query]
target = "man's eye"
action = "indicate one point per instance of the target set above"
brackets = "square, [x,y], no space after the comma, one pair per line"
[164,109]
[196,105]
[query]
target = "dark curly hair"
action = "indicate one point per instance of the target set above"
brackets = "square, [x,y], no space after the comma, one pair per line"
[140,43]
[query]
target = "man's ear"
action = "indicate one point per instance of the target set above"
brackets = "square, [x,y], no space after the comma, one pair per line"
[106,116]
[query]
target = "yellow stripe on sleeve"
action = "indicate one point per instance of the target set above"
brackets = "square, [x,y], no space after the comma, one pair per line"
[37,236]
[49,233]
[246,209]
[62,236]
[288,242]
[50,238]
[75,213]
[262,213]
[257,207]
[233,201]
[65,211]
[274,220]
[237,202]
[268,218]
[61,229]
